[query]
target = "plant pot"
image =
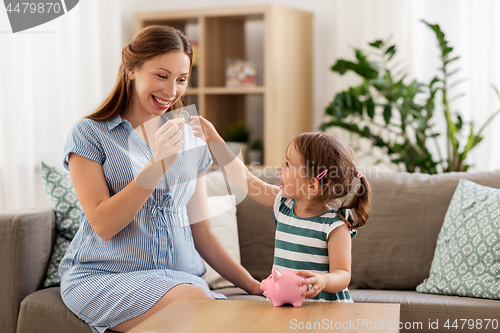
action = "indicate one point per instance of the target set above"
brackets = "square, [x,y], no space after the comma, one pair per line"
[239,149]
[254,156]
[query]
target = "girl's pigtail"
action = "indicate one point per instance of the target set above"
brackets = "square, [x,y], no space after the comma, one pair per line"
[360,204]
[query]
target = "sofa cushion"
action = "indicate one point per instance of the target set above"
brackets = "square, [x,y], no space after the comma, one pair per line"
[467,257]
[223,215]
[394,250]
[256,236]
[62,197]
[44,312]
[423,309]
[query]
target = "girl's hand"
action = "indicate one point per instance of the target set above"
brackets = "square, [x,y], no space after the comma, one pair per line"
[204,129]
[168,141]
[316,280]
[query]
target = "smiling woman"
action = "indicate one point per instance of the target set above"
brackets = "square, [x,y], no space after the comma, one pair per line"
[160,83]
[137,247]
[164,69]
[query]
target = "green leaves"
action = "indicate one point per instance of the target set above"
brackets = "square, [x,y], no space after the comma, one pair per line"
[391,51]
[377,44]
[455,126]
[381,109]
[387,113]
[395,116]
[370,107]
[363,67]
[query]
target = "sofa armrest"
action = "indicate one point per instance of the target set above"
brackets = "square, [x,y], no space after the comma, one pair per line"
[26,240]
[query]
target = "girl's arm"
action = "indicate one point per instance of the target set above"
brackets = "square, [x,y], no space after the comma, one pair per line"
[209,246]
[339,276]
[233,167]
[107,214]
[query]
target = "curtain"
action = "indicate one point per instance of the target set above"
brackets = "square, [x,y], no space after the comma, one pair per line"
[471,28]
[50,76]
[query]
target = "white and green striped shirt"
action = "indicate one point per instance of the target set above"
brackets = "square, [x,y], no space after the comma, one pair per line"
[302,243]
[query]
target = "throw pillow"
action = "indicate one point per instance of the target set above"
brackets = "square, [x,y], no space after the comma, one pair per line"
[467,257]
[223,215]
[62,197]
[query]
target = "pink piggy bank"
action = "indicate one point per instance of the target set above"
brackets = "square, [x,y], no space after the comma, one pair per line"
[282,286]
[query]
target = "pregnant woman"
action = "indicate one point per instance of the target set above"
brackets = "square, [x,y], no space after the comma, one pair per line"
[143,226]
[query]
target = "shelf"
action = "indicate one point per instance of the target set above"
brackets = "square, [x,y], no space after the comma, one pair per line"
[192,91]
[226,91]
[235,90]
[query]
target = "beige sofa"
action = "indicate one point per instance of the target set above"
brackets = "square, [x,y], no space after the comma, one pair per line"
[392,254]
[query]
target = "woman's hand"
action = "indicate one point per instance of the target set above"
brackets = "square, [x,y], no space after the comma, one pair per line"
[168,141]
[254,288]
[204,129]
[316,280]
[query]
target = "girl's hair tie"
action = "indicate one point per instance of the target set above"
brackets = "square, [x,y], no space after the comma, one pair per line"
[322,174]
[359,175]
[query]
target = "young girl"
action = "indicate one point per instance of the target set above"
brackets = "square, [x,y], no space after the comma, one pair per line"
[311,236]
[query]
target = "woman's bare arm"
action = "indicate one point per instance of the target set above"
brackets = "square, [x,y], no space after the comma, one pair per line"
[209,245]
[107,215]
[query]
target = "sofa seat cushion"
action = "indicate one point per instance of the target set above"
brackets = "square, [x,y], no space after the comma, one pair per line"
[235,293]
[44,312]
[425,308]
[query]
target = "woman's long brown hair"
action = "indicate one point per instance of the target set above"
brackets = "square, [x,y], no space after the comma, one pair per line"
[150,42]
[322,152]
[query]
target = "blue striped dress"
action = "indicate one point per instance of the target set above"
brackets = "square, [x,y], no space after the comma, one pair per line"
[302,243]
[108,282]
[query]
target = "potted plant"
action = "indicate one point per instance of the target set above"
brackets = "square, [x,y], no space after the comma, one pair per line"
[255,152]
[395,115]
[237,139]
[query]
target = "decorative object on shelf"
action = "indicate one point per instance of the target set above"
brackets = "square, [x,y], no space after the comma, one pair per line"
[255,152]
[282,287]
[237,139]
[240,73]
[406,110]
[196,52]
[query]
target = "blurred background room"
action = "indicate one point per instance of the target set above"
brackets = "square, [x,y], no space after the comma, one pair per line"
[56,73]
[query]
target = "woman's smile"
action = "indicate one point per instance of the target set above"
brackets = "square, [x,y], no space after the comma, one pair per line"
[160,102]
